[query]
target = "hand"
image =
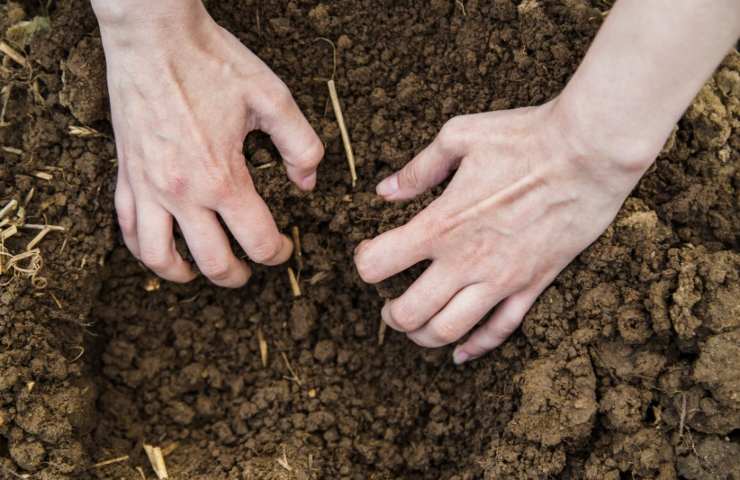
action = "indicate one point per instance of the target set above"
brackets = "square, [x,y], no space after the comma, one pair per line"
[528,196]
[184,94]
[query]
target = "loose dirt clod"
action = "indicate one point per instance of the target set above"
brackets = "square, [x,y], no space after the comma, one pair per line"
[381,332]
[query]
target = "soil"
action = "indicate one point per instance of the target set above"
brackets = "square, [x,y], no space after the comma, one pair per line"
[625,368]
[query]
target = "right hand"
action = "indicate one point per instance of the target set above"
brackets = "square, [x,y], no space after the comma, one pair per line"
[184,94]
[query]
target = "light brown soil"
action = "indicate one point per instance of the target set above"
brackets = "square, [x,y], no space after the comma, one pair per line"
[625,368]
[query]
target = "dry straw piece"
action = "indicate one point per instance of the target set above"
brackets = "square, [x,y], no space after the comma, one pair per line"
[157,461]
[13,54]
[122,458]
[340,116]
[294,286]
[263,347]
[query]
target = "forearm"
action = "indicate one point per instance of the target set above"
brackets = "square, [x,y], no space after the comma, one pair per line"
[642,71]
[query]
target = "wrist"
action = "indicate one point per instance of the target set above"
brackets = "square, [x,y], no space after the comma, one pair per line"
[126,22]
[599,136]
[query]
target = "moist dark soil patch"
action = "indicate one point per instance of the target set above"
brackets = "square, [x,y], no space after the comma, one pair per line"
[625,368]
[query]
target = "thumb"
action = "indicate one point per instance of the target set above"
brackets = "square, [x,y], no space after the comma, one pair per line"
[279,116]
[430,167]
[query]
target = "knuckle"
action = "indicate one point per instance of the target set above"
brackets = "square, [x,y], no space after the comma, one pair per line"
[266,250]
[126,218]
[451,132]
[403,315]
[365,266]
[446,332]
[214,268]
[409,175]
[175,185]
[155,258]
[312,155]
[279,96]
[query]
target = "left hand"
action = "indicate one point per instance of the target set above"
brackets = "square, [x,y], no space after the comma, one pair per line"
[528,196]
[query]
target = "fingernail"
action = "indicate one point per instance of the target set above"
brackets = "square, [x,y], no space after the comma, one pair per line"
[309,182]
[388,187]
[460,357]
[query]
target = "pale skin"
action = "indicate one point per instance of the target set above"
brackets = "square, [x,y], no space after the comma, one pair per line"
[530,189]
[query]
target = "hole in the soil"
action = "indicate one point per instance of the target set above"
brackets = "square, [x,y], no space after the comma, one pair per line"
[688,356]
[734,435]
[650,412]
[4,451]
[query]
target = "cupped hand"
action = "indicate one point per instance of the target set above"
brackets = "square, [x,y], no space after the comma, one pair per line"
[184,94]
[527,197]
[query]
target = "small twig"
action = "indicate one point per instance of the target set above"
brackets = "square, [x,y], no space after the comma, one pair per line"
[8,232]
[56,300]
[294,286]
[343,130]
[122,458]
[462,7]
[381,332]
[39,236]
[13,54]
[263,347]
[170,448]
[8,208]
[682,422]
[265,166]
[296,234]
[16,475]
[79,355]
[34,226]
[156,459]
[295,376]
[283,461]
[141,473]
[29,196]
[80,131]
[13,150]
[339,115]
[317,277]
[43,175]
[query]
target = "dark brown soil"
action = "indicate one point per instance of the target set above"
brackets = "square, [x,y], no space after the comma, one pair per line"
[625,368]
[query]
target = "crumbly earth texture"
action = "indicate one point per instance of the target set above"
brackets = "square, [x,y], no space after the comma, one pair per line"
[625,368]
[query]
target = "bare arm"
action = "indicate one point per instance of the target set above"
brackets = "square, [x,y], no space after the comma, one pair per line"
[643,69]
[535,186]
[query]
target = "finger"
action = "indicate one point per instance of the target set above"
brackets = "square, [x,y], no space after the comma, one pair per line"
[126,212]
[431,166]
[423,299]
[504,321]
[253,226]
[211,249]
[457,318]
[157,244]
[301,149]
[392,252]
